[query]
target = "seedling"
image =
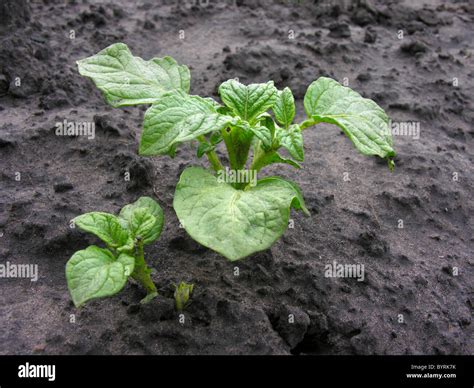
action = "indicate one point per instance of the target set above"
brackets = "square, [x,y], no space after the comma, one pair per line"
[182,293]
[233,217]
[99,272]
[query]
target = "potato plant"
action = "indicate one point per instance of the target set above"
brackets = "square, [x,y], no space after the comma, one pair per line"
[182,293]
[99,272]
[254,122]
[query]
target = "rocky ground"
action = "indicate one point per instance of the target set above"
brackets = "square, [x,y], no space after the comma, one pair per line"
[416,297]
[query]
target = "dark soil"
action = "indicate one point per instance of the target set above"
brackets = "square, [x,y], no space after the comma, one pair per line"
[410,302]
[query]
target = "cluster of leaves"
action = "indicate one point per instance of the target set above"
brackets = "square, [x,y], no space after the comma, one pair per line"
[235,219]
[182,293]
[99,272]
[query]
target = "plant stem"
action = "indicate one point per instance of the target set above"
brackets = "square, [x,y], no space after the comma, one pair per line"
[308,123]
[141,274]
[258,155]
[230,149]
[214,160]
[212,156]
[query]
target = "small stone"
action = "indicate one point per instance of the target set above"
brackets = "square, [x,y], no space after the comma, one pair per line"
[362,17]
[38,348]
[413,48]
[339,30]
[292,325]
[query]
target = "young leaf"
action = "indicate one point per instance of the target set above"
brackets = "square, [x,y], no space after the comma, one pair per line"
[128,80]
[204,148]
[292,139]
[95,273]
[176,118]
[284,107]
[267,121]
[143,202]
[144,226]
[235,223]
[263,133]
[272,158]
[215,138]
[238,142]
[107,227]
[182,293]
[248,101]
[143,218]
[361,119]
[224,110]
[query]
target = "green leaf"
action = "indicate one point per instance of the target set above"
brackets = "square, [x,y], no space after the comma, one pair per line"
[263,133]
[284,107]
[176,118]
[128,80]
[274,157]
[298,201]
[216,138]
[144,226]
[204,148]
[235,223]
[224,110]
[182,293]
[107,227]
[143,218]
[248,101]
[361,119]
[95,273]
[267,121]
[238,142]
[292,140]
[143,202]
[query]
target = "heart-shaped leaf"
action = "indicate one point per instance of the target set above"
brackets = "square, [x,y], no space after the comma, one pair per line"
[176,118]
[361,119]
[261,132]
[107,227]
[128,80]
[248,101]
[291,138]
[143,218]
[284,108]
[95,273]
[235,223]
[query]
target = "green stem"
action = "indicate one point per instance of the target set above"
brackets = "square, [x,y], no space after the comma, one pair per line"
[214,160]
[142,272]
[258,156]
[256,165]
[212,157]
[230,149]
[308,123]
